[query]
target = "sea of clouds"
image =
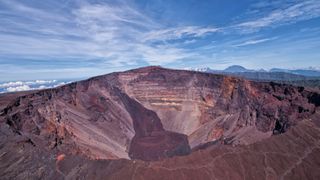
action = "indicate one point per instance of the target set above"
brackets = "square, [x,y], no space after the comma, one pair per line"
[15,86]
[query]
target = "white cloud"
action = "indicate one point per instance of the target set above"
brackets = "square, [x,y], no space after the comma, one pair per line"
[15,86]
[303,10]
[44,81]
[36,13]
[254,41]
[22,83]
[19,88]
[103,13]
[117,34]
[25,88]
[178,33]
[11,84]
[125,35]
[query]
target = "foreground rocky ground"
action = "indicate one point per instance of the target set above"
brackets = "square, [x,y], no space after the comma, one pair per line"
[155,123]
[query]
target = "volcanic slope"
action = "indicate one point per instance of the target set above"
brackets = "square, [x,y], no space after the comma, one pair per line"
[90,127]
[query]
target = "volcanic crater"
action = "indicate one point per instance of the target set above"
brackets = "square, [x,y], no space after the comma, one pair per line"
[151,114]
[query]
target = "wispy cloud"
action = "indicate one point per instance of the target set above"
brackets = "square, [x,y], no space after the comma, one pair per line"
[125,34]
[178,33]
[106,14]
[302,10]
[116,33]
[254,41]
[35,13]
[87,38]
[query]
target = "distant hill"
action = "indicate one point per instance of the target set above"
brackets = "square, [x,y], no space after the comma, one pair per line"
[236,69]
[304,72]
[303,77]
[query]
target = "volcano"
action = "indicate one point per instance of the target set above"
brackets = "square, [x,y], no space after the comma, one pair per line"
[158,123]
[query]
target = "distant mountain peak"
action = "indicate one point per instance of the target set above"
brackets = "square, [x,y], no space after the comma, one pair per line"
[202,69]
[236,68]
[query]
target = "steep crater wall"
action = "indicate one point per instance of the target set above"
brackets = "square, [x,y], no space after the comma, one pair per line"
[94,119]
[209,107]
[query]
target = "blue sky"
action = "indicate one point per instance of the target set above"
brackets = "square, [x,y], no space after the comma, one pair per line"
[54,39]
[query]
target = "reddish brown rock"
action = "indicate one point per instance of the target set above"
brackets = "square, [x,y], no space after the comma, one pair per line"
[105,126]
[200,105]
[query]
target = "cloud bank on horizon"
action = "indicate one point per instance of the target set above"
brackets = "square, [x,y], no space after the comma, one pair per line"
[15,86]
[72,39]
